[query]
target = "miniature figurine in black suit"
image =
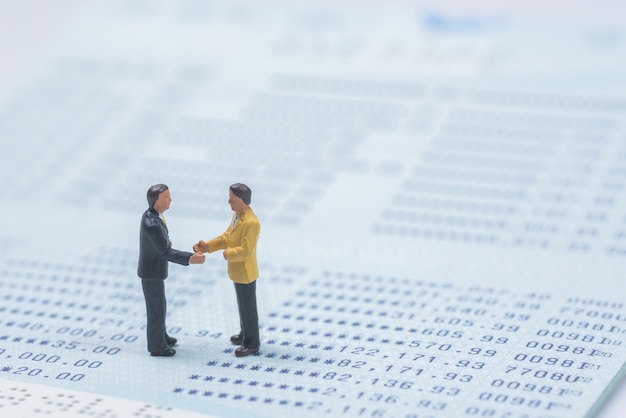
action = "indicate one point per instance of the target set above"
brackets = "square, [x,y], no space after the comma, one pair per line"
[155,251]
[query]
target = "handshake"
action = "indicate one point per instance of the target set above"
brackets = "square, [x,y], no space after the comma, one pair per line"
[199,248]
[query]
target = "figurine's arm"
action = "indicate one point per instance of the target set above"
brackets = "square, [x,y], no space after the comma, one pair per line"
[250,234]
[217,243]
[162,245]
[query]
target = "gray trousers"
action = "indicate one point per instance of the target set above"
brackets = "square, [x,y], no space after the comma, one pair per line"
[248,316]
[156,308]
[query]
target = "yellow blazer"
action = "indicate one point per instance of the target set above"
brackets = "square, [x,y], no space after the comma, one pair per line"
[240,244]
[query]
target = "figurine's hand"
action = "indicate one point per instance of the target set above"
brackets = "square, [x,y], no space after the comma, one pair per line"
[224,254]
[197,258]
[201,247]
[170,243]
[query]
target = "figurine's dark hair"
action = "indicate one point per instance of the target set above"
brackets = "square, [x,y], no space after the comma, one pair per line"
[242,191]
[154,192]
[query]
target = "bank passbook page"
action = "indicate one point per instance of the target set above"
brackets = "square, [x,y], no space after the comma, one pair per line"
[441,192]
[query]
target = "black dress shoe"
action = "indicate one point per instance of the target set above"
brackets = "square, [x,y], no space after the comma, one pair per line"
[236,339]
[245,351]
[164,352]
[171,341]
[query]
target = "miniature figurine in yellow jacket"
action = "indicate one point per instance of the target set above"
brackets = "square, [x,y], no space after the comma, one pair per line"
[238,243]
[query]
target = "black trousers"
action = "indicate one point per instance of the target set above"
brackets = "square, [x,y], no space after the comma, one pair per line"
[248,316]
[156,308]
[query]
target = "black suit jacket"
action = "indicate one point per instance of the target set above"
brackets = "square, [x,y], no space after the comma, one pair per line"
[154,248]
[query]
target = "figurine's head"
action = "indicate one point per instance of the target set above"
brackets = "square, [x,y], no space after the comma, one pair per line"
[239,197]
[159,197]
